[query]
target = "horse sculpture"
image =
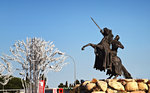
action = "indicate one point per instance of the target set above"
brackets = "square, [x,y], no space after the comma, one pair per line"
[102,50]
[105,57]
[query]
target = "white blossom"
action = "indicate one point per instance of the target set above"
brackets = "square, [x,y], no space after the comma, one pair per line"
[36,57]
[5,71]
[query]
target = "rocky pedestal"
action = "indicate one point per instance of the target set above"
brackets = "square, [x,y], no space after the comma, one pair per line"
[114,86]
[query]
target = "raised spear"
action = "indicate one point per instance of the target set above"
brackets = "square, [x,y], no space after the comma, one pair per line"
[96,23]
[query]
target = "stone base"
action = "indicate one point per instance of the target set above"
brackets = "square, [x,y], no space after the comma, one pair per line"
[114,86]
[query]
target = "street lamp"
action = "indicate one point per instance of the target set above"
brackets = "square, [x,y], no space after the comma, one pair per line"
[73,63]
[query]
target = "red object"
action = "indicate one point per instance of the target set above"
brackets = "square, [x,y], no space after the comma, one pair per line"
[41,86]
[61,90]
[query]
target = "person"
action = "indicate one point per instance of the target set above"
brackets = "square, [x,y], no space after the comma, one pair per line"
[117,68]
[102,51]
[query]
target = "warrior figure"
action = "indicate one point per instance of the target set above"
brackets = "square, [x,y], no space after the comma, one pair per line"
[117,68]
[102,51]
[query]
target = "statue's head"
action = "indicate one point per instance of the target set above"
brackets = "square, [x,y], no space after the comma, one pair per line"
[107,31]
[118,44]
[117,37]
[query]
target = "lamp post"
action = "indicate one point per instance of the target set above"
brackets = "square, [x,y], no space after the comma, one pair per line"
[73,63]
[74,68]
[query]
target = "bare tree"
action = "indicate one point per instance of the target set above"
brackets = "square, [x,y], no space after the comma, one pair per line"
[36,57]
[5,71]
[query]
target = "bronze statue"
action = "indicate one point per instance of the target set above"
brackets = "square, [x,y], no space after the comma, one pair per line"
[106,58]
[102,50]
[117,68]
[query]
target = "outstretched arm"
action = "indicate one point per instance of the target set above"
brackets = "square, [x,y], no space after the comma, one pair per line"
[117,44]
[120,45]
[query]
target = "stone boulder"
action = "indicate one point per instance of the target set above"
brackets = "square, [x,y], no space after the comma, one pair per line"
[129,80]
[138,92]
[111,91]
[131,86]
[142,86]
[85,83]
[122,81]
[116,86]
[149,88]
[90,86]
[102,85]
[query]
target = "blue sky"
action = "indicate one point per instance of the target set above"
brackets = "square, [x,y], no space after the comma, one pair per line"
[67,23]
